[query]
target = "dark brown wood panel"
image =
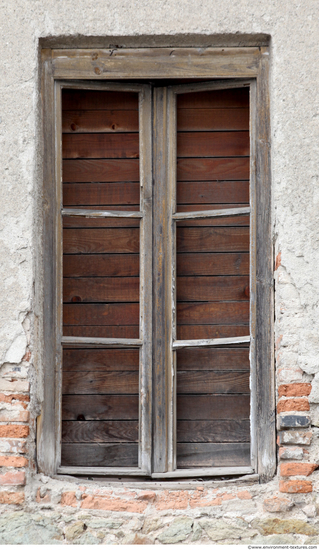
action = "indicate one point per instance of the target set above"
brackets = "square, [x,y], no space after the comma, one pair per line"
[219,359]
[70,222]
[194,313]
[214,99]
[205,381]
[111,146]
[88,241]
[190,455]
[101,194]
[216,431]
[100,331]
[234,221]
[213,407]
[100,121]
[117,455]
[190,169]
[100,407]
[98,99]
[212,144]
[101,314]
[101,289]
[203,120]
[97,382]
[211,289]
[101,170]
[110,265]
[191,332]
[213,192]
[100,359]
[209,239]
[212,264]
[99,432]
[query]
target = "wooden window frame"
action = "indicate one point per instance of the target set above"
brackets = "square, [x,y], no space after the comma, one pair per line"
[97,69]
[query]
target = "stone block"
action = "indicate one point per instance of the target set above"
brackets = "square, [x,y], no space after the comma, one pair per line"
[74,530]
[295,438]
[293,421]
[278,504]
[24,528]
[178,531]
[291,453]
[277,526]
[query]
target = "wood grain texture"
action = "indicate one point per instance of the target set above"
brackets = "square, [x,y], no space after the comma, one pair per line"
[102,170]
[99,121]
[212,192]
[96,382]
[99,100]
[203,120]
[94,146]
[101,289]
[100,359]
[190,455]
[189,264]
[101,314]
[207,239]
[214,99]
[99,432]
[102,331]
[206,381]
[213,407]
[210,313]
[99,454]
[216,431]
[100,407]
[101,194]
[217,359]
[233,168]
[190,332]
[88,241]
[107,265]
[212,289]
[212,144]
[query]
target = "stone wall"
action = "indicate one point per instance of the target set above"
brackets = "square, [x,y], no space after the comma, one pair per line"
[36,508]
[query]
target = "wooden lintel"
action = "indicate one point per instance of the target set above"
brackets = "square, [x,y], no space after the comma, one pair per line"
[100,213]
[212,213]
[180,344]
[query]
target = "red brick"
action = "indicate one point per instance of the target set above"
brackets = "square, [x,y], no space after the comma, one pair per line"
[11,498]
[278,261]
[14,415]
[295,486]
[13,478]
[172,500]
[13,461]
[277,504]
[294,390]
[244,495]
[297,469]
[296,404]
[147,495]
[91,502]
[14,430]
[45,499]
[13,396]
[69,499]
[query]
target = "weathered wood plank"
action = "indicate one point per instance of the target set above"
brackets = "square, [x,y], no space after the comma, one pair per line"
[101,314]
[97,382]
[100,121]
[189,264]
[190,455]
[118,265]
[70,222]
[210,192]
[190,332]
[209,144]
[216,431]
[203,120]
[87,194]
[99,432]
[231,168]
[102,99]
[213,359]
[99,454]
[113,146]
[100,407]
[194,313]
[101,359]
[203,289]
[100,289]
[209,239]
[105,170]
[102,331]
[213,407]
[214,221]
[88,241]
[205,381]
[214,99]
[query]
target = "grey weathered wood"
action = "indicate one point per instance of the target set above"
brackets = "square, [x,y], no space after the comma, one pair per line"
[192,455]
[207,472]
[211,213]
[85,213]
[180,344]
[100,471]
[98,342]
[100,454]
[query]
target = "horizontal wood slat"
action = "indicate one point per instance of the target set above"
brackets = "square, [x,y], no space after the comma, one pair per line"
[100,359]
[97,382]
[214,99]
[99,454]
[190,455]
[110,265]
[203,120]
[210,192]
[192,169]
[110,146]
[101,194]
[216,431]
[218,359]
[204,289]
[200,331]
[101,170]
[99,432]
[212,144]
[102,331]
[99,121]
[213,407]
[87,241]
[100,407]
[100,289]
[205,381]
[100,314]
[207,239]
[99,99]
[189,264]
[211,313]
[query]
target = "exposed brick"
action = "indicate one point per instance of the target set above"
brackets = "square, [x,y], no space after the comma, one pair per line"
[172,500]
[296,404]
[14,430]
[278,261]
[13,461]
[289,374]
[13,397]
[14,416]
[291,453]
[244,495]
[11,498]
[14,385]
[277,504]
[46,498]
[295,486]
[13,478]
[295,438]
[12,446]
[297,469]
[294,390]
[147,495]
[293,421]
[69,499]
[27,356]
[91,502]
